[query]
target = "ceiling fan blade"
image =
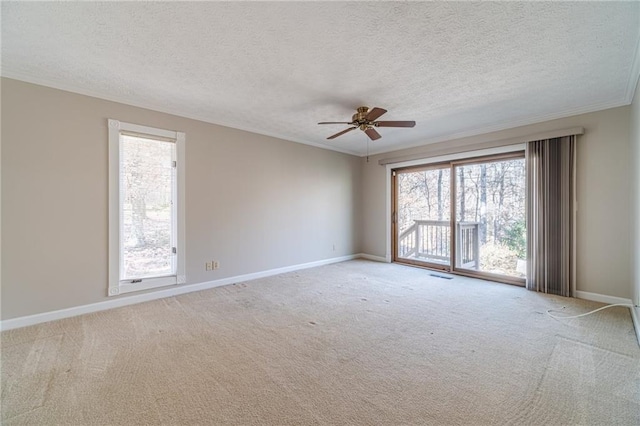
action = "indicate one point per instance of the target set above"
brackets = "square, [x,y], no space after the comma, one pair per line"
[395,123]
[341,133]
[373,135]
[375,113]
[334,122]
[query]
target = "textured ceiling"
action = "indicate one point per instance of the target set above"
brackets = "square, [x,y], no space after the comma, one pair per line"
[278,68]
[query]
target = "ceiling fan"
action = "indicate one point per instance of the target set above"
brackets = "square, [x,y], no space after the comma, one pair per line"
[365,120]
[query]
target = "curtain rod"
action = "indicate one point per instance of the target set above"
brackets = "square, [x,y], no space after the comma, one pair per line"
[439,150]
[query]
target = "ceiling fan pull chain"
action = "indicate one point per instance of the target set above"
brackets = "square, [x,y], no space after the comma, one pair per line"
[367,150]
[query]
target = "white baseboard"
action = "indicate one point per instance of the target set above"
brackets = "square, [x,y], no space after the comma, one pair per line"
[126,300]
[602,298]
[372,257]
[635,316]
[612,300]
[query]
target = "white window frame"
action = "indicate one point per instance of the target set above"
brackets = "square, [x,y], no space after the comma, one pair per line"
[117,286]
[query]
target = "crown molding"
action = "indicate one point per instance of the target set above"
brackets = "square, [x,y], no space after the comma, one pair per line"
[507,125]
[56,84]
[635,72]
[64,86]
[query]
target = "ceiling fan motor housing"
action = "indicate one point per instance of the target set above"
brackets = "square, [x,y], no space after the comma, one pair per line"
[360,118]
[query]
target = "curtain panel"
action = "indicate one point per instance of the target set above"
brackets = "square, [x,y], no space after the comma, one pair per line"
[550,206]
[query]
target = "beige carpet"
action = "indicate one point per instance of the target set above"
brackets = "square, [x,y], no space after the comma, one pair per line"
[352,343]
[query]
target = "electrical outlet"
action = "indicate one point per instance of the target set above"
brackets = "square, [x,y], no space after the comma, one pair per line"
[208,266]
[334,247]
[215,264]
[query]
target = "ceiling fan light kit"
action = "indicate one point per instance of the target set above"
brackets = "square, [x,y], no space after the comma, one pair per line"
[365,120]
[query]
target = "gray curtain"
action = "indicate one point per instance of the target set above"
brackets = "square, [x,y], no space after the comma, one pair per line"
[550,195]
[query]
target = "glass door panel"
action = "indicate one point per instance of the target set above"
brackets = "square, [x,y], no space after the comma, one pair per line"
[490,217]
[146,215]
[423,216]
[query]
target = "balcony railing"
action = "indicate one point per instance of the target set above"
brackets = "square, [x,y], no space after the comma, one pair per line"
[430,241]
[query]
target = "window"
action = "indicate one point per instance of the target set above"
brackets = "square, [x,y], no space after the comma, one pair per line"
[466,216]
[146,208]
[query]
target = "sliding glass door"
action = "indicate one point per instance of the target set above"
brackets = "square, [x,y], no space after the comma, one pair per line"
[490,217]
[464,216]
[423,216]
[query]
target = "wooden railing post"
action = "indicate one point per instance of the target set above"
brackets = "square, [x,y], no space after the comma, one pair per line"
[476,247]
[418,237]
[458,245]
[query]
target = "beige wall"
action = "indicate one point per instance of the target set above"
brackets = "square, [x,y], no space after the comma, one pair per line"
[635,197]
[253,202]
[603,202]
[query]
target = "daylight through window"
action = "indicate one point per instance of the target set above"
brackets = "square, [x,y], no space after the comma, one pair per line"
[145,208]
